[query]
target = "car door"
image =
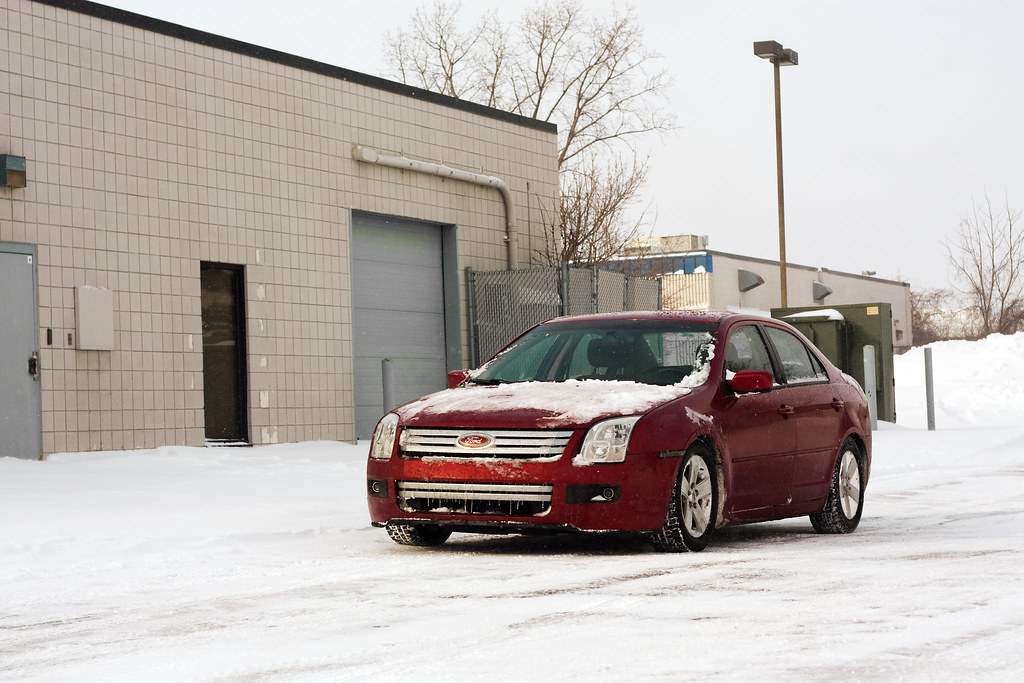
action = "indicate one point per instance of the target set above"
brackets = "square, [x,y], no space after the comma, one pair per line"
[818,414]
[759,432]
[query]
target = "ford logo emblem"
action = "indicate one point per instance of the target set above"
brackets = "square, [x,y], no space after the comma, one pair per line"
[474,441]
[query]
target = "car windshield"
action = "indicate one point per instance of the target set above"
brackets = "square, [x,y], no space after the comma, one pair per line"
[650,352]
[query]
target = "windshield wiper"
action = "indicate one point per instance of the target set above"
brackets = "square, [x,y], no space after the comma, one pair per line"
[488,382]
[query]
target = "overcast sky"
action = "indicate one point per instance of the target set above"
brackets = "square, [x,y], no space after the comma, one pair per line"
[900,114]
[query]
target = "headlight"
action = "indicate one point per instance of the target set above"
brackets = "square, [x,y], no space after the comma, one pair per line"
[606,441]
[383,442]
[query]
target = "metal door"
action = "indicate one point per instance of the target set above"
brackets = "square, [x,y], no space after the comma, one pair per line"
[20,431]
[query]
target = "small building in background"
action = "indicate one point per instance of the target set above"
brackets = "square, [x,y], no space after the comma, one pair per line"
[695,277]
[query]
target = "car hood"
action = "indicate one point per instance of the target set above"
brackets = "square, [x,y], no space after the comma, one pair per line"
[525,405]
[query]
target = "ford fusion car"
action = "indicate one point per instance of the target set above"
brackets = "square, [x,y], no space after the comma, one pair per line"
[670,423]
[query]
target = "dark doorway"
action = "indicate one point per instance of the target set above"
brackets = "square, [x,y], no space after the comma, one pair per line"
[224,369]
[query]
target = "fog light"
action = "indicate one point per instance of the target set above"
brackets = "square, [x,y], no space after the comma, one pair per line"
[378,488]
[592,493]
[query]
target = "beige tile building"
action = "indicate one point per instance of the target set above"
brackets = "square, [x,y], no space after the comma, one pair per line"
[219,241]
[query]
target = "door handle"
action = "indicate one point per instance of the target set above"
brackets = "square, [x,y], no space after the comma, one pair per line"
[837,404]
[33,365]
[786,411]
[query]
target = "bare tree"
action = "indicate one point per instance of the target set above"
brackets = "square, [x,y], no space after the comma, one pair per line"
[987,257]
[592,77]
[434,53]
[593,212]
[937,315]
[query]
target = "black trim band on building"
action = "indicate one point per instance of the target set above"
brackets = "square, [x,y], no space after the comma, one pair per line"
[192,35]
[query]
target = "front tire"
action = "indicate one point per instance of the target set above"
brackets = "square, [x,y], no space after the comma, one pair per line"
[422,535]
[693,508]
[845,502]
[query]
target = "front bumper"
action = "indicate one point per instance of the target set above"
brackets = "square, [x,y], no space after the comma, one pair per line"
[509,495]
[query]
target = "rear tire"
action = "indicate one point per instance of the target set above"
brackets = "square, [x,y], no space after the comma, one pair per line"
[417,534]
[693,508]
[845,502]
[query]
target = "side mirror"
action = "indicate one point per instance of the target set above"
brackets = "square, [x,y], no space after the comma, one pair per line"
[747,381]
[457,377]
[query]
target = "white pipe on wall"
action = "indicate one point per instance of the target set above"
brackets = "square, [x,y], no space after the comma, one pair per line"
[370,156]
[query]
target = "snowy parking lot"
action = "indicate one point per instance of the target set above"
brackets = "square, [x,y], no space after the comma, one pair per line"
[254,564]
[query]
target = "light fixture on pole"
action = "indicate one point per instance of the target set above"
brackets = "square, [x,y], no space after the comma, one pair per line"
[778,56]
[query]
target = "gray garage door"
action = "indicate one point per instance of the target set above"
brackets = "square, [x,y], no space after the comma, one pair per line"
[398,312]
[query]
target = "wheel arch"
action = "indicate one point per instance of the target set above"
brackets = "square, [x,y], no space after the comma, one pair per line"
[862,447]
[709,442]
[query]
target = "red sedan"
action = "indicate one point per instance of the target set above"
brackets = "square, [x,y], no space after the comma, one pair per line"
[668,423]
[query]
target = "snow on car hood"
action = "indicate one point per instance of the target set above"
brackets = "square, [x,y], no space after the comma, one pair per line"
[572,403]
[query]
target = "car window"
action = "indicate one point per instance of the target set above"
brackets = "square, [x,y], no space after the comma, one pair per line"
[533,355]
[650,352]
[746,350]
[579,363]
[798,364]
[653,356]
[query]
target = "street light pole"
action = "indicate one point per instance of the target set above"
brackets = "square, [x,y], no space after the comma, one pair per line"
[779,56]
[782,201]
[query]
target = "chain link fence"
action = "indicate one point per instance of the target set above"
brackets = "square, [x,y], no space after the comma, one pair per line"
[503,303]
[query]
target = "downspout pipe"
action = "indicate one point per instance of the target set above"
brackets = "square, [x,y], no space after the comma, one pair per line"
[371,156]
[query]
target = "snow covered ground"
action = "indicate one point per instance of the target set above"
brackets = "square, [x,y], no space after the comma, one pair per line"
[259,564]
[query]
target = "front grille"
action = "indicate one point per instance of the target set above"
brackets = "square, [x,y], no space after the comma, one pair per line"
[518,444]
[512,500]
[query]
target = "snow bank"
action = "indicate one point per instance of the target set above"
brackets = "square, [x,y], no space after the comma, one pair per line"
[977,383]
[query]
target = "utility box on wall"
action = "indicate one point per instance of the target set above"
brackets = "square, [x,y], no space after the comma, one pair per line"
[94,317]
[842,332]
